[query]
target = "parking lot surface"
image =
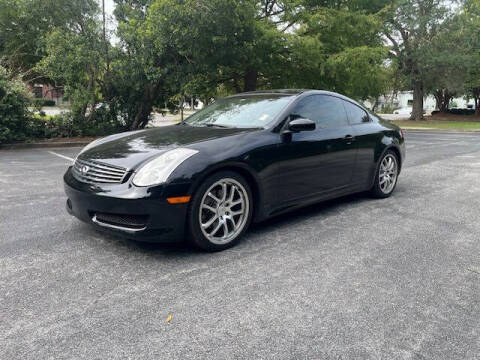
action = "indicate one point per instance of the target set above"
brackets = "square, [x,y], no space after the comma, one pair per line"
[354,278]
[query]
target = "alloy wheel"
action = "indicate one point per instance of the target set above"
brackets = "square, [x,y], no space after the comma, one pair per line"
[224,211]
[388,173]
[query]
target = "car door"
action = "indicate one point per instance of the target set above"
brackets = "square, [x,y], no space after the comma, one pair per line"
[366,139]
[316,163]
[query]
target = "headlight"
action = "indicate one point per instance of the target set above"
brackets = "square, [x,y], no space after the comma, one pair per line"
[158,170]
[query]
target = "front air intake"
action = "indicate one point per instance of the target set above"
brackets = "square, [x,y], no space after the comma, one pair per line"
[119,221]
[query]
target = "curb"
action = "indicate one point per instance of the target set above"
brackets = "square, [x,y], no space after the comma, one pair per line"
[442,131]
[42,145]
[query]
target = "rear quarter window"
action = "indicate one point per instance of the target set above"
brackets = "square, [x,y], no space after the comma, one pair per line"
[356,115]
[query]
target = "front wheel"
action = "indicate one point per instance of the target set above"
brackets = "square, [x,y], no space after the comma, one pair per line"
[386,176]
[220,212]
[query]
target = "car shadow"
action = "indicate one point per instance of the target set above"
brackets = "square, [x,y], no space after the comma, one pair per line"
[292,218]
[302,214]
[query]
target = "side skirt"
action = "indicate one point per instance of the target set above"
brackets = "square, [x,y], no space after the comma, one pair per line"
[324,197]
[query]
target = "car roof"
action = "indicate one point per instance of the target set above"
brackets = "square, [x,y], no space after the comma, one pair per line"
[271,92]
[296,92]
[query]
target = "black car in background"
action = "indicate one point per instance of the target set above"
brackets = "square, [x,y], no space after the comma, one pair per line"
[244,158]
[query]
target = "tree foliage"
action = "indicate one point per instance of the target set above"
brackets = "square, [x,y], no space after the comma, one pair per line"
[24,23]
[412,27]
[350,55]
[470,19]
[167,50]
[14,101]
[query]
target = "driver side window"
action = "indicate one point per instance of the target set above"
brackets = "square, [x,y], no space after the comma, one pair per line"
[326,111]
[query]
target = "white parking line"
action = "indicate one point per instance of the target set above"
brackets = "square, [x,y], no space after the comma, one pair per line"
[62,156]
[468,156]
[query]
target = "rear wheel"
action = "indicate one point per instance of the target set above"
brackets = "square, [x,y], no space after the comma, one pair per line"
[386,176]
[220,212]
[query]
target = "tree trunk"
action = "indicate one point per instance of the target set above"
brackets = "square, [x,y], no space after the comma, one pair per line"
[236,85]
[250,80]
[143,112]
[476,98]
[442,98]
[91,83]
[438,99]
[446,102]
[143,115]
[375,104]
[107,61]
[182,102]
[417,107]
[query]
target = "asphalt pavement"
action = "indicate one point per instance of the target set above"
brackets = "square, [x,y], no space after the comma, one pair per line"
[354,278]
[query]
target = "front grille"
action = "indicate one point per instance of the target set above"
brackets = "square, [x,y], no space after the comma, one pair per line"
[133,222]
[95,172]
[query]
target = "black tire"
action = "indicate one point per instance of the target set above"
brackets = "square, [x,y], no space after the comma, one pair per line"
[376,191]
[195,234]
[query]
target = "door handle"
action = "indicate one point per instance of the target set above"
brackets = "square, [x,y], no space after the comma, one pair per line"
[349,138]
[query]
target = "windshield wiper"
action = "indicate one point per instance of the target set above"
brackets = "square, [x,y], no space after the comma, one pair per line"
[219,126]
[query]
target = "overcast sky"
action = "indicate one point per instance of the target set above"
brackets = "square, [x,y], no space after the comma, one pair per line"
[111,23]
[109,6]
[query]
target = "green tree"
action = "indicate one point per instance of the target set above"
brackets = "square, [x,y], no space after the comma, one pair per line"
[470,18]
[235,42]
[75,58]
[344,49]
[446,62]
[14,102]
[412,27]
[171,49]
[472,82]
[243,45]
[147,67]
[24,23]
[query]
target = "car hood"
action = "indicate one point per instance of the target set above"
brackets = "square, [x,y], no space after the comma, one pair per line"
[130,149]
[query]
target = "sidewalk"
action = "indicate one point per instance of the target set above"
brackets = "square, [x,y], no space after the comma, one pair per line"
[391,117]
[167,119]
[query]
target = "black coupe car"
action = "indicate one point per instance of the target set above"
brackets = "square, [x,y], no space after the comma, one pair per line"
[244,158]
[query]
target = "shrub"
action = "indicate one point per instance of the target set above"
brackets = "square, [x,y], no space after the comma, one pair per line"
[14,113]
[69,125]
[17,123]
[462,111]
[44,102]
[105,122]
[388,109]
[47,127]
[457,112]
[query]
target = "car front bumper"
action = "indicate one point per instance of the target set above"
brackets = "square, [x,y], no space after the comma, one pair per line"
[154,219]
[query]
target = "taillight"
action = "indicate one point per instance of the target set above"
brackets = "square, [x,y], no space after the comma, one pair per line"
[402,134]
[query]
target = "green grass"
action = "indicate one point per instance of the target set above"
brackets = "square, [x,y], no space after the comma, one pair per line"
[44,118]
[439,125]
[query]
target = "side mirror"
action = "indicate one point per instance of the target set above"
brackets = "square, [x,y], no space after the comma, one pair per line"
[301,124]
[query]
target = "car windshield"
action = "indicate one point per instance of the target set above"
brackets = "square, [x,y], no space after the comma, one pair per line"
[240,112]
